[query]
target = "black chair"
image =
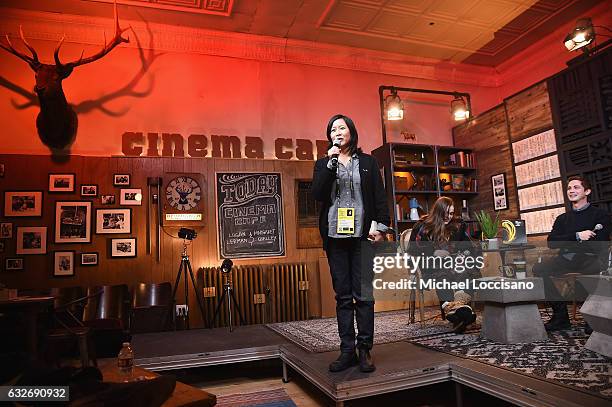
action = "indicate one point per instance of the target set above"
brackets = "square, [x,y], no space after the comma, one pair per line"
[108,316]
[150,307]
[67,325]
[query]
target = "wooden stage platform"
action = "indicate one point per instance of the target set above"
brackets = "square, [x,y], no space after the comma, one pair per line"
[400,366]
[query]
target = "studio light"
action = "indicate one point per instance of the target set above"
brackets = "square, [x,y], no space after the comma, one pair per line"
[581,36]
[459,108]
[395,107]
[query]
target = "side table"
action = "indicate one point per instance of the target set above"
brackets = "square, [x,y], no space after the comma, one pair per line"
[183,393]
[597,311]
[512,316]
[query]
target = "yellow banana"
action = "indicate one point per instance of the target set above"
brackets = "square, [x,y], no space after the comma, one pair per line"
[510,229]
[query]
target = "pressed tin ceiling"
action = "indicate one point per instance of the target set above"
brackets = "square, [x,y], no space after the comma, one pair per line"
[483,32]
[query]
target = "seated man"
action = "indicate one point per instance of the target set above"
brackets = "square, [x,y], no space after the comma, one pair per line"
[580,235]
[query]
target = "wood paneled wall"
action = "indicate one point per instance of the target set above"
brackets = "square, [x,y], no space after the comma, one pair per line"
[24,172]
[487,135]
[491,134]
[528,112]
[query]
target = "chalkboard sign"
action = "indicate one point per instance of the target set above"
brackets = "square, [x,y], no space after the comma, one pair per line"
[250,215]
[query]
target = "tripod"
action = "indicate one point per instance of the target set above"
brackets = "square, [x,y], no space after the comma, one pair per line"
[228,294]
[183,268]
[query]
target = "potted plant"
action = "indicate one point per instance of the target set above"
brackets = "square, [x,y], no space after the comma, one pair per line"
[489,228]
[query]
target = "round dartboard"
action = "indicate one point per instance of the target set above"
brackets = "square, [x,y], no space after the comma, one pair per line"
[183,193]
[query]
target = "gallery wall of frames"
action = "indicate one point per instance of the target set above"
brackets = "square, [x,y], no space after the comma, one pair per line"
[90,220]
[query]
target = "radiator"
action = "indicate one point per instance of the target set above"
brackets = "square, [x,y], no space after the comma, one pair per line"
[268,293]
[288,292]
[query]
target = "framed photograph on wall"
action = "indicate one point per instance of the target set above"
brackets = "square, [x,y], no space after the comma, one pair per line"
[73,222]
[123,247]
[63,263]
[500,191]
[107,199]
[89,259]
[130,196]
[23,203]
[13,264]
[118,220]
[6,230]
[61,182]
[32,240]
[121,180]
[89,190]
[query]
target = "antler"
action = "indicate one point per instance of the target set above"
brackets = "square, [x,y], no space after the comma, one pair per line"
[117,39]
[32,61]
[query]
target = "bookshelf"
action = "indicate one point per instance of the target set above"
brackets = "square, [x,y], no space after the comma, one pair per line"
[425,172]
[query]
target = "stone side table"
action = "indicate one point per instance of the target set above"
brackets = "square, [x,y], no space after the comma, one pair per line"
[512,316]
[597,311]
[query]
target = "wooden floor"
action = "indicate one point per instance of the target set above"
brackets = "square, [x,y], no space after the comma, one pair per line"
[404,370]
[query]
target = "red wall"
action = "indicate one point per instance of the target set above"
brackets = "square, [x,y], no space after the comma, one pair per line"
[190,93]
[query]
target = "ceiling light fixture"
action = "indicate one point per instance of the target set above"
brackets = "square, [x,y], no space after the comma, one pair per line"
[581,36]
[459,108]
[394,105]
[392,108]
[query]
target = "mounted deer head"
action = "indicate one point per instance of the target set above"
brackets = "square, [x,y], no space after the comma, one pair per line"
[57,122]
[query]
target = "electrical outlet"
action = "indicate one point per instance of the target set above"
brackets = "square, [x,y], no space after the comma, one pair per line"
[208,292]
[259,298]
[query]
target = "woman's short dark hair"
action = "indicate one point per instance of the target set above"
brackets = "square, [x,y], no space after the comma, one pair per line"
[353,142]
[585,182]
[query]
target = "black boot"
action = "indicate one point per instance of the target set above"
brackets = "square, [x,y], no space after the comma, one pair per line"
[365,361]
[344,361]
[587,329]
[560,318]
[461,318]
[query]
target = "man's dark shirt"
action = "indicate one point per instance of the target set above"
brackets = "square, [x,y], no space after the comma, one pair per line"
[563,235]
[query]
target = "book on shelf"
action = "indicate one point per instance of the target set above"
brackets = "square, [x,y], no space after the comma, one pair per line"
[474,185]
[461,159]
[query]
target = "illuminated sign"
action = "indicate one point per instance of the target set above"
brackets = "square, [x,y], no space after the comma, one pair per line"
[183,216]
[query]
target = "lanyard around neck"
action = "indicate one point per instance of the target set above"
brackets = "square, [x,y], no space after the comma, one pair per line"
[352,188]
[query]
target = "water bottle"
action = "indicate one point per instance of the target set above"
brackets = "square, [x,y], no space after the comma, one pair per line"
[125,361]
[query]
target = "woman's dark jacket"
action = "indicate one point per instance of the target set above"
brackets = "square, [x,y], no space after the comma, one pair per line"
[459,241]
[375,206]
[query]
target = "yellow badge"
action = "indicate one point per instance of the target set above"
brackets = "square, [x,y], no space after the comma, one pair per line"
[346,221]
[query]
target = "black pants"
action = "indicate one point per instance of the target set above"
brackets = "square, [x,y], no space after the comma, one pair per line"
[559,265]
[350,262]
[451,276]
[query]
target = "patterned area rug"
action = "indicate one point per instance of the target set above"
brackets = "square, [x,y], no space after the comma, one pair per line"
[321,335]
[563,358]
[265,398]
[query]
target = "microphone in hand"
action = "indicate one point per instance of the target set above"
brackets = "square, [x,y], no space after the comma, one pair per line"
[597,227]
[334,157]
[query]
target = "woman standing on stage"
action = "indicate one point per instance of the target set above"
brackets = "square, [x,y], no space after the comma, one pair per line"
[440,234]
[355,210]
